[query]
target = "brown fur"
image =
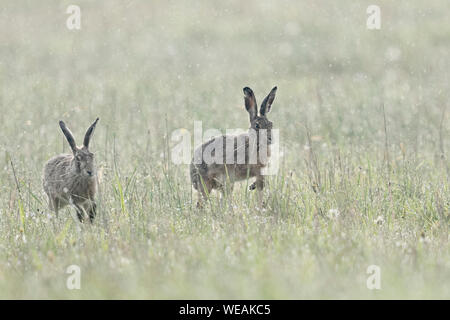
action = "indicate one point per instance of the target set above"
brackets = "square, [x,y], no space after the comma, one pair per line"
[206,177]
[71,178]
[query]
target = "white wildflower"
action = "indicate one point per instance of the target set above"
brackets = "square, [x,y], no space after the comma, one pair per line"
[379,220]
[333,213]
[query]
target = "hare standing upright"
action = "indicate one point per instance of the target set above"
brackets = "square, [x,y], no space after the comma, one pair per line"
[71,178]
[240,156]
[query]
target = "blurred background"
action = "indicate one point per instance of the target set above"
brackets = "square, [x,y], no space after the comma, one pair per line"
[134,62]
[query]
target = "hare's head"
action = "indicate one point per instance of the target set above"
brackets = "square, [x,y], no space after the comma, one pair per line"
[259,122]
[83,158]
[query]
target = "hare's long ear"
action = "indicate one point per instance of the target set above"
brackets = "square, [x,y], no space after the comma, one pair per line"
[69,136]
[250,103]
[89,133]
[267,102]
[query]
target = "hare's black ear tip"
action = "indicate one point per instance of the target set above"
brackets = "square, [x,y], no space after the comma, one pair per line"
[61,123]
[95,122]
[247,91]
[275,88]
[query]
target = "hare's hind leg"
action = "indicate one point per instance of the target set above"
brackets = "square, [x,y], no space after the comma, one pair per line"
[54,205]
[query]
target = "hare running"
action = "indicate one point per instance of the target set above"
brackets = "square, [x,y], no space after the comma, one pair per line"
[71,178]
[229,158]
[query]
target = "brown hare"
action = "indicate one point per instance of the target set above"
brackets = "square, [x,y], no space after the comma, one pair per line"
[71,178]
[221,161]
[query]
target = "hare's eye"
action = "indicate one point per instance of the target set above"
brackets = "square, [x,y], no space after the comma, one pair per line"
[257,126]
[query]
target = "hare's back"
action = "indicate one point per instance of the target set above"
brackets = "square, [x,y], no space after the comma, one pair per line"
[57,165]
[222,149]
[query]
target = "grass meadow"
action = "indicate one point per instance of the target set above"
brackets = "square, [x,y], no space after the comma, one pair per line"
[364,134]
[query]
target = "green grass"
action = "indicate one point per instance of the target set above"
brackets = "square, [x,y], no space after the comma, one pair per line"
[148,68]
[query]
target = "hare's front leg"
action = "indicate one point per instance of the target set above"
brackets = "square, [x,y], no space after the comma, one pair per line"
[92,211]
[259,185]
[80,212]
[79,209]
[90,208]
